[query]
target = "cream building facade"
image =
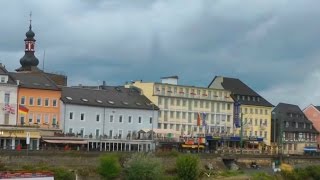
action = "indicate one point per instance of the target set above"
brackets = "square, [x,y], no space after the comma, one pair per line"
[179,107]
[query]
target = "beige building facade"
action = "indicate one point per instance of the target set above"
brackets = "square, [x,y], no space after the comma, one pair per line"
[179,107]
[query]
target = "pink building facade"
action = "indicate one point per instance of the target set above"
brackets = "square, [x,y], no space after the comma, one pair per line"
[313,114]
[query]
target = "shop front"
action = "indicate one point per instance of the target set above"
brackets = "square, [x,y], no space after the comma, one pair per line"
[19,138]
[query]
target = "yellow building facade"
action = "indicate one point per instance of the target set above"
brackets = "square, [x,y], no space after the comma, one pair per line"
[257,122]
[179,107]
[255,110]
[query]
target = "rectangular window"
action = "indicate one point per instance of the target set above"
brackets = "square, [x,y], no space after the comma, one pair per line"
[7,98]
[178,115]
[46,118]
[184,102]
[228,118]
[150,120]
[38,118]
[171,114]
[130,119]
[30,117]
[178,102]
[261,111]
[256,122]
[120,133]
[98,117]
[82,132]
[39,102]
[97,132]
[265,134]
[54,103]
[140,119]
[71,115]
[3,79]
[54,119]
[22,119]
[201,104]
[195,103]
[23,100]
[110,134]
[82,116]
[172,102]
[265,112]
[184,115]
[70,130]
[228,106]
[256,111]
[111,118]
[120,118]
[31,101]
[46,102]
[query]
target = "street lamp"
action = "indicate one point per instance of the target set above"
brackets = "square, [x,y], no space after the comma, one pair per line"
[241,131]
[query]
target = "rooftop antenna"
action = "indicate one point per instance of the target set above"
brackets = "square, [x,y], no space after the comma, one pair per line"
[44,56]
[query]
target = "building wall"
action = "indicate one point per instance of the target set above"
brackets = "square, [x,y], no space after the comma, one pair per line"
[45,113]
[12,91]
[179,106]
[104,126]
[257,122]
[314,116]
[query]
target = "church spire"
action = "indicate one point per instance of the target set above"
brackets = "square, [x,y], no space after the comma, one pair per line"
[29,61]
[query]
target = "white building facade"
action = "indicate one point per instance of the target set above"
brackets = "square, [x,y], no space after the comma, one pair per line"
[8,98]
[108,113]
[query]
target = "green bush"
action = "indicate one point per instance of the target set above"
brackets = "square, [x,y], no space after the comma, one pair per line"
[63,174]
[142,167]
[188,167]
[109,167]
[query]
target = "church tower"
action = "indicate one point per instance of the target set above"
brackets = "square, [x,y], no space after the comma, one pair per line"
[29,61]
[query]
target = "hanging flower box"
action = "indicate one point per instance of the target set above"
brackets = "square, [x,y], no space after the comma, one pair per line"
[193,93]
[181,92]
[204,95]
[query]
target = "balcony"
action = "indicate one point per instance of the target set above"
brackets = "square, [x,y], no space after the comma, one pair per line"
[192,95]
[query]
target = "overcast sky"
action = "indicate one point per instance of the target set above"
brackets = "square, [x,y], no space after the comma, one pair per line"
[272,45]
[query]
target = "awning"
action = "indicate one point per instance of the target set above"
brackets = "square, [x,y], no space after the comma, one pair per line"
[192,146]
[310,149]
[66,141]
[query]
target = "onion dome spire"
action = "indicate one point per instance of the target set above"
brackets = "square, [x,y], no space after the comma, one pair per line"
[29,60]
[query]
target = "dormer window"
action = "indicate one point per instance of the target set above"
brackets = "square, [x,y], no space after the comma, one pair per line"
[253,98]
[243,97]
[258,99]
[3,79]
[248,98]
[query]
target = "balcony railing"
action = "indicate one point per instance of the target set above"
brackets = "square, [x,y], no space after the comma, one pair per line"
[193,95]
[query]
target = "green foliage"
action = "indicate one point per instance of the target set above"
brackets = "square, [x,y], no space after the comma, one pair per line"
[143,167]
[109,167]
[63,174]
[188,167]
[310,172]
[262,176]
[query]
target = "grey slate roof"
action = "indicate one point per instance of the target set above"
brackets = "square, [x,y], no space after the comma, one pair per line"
[318,107]
[283,112]
[3,71]
[237,87]
[35,80]
[109,96]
